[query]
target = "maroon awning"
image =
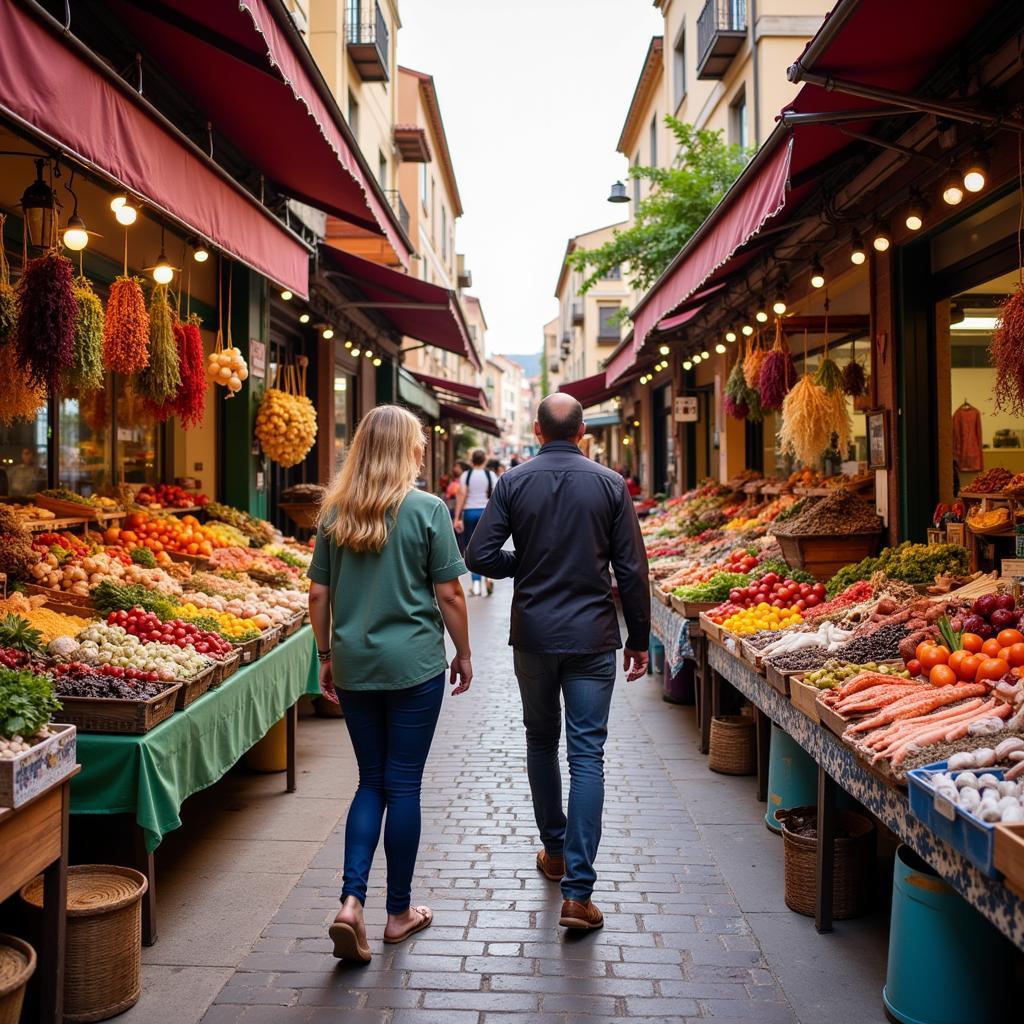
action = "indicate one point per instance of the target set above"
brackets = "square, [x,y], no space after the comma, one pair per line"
[470,392]
[245,71]
[53,87]
[588,391]
[476,420]
[415,308]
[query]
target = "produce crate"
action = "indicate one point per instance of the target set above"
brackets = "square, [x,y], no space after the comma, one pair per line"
[823,556]
[114,714]
[692,609]
[192,689]
[29,774]
[968,835]
[831,719]
[82,611]
[778,679]
[224,669]
[70,509]
[267,641]
[293,625]
[661,595]
[247,651]
[62,596]
[752,656]
[303,514]
[804,696]
[709,628]
[1008,856]
[197,562]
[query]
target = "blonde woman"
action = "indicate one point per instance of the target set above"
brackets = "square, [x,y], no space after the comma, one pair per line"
[385,584]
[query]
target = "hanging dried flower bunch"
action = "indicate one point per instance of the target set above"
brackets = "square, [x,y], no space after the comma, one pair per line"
[756,356]
[778,372]
[45,334]
[733,400]
[86,373]
[829,376]
[807,426]
[1007,354]
[8,299]
[190,404]
[855,380]
[126,330]
[19,400]
[159,381]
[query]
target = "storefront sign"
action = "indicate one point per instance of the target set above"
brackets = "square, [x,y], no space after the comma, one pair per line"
[686,409]
[257,358]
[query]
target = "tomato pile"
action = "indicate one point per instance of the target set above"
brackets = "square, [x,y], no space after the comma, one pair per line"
[978,660]
[168,496]
[147,627]
[778,593]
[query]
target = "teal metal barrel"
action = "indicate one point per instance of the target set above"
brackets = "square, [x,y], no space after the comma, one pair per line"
[947,964]
[657,657]
[792,776]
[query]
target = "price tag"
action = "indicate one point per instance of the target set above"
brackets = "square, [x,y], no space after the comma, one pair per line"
[944,806]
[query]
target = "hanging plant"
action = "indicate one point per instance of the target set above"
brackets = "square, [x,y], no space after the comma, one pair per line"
[753,363]
[158,383]
[126,329]
[8,298]
[86,373]
[45,333]
[19,399]
[855,380]
[807,426]
[1007,354]
[190,404]
[778,373]
[733,400]
[829,376]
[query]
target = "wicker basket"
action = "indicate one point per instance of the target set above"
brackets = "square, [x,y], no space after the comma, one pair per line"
[224,669]
[114,714]
[192,689]
[851,872]
[103,963]
[17,964]
[733,745]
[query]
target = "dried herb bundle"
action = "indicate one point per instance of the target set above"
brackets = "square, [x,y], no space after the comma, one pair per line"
[45,334]
[86,372]
[855,379]
[778,373]
[126,330]
[1007,355]
[752,365]
[8,312]
[839,417]
[158,383]
[829,376]
[734,400]
[806,421]
[190,404]
[19,400]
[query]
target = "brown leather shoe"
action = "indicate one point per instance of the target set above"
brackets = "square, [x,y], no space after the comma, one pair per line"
[585,916]
[550,867]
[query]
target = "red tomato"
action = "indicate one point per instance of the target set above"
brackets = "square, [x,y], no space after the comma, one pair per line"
[922,647]
[1004,654]
[991,669]
[990,648]
[1016,655]
[1009,637]
[914,667]
[955,658]
[972,642]
[941,675]
[968,669]
[932,656]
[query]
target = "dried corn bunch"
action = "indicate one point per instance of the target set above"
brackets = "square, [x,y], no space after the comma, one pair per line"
[86,372]
[19,400]
[286,421]
[752,365]
[1007,354]
[158,383]
[126,329]
[45,333]
[778,372]
[807,426]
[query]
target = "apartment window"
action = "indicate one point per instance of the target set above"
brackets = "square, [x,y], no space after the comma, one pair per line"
[424,177]
[382,169]
[654,141]
[636,183]
[444,233]
[353,20]
[614,273]
[607,322]
[739,130]
[353,115]
[679,70]
[433,197]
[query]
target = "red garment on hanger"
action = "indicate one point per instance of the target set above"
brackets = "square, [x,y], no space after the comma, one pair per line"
[967,448]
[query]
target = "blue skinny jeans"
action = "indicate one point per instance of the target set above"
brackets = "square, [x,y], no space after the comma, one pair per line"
[470,518]
[391,732]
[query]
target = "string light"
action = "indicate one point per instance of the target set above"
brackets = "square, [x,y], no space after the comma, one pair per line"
[687,365]
[761,316]
[76,237]
[915,214]
[952,190]
[377,361]
[747,330]
[664,350]
[636,423]
[720,348]
[124,213]
[779,305]
[705,354]
[858,254]
[286,295]
[303,318]
[881,241]
[975,173]
[730,336]
[163,272]
[817,274]
[696,358]
[200,253]
[356,353]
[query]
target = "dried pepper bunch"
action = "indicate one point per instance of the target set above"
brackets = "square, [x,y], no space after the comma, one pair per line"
[1007,354]
[734,398]
[86,372]
[160,379]
[807,428]
[778,372]
[45,333]
[126,329]
[19,399]
[190,404]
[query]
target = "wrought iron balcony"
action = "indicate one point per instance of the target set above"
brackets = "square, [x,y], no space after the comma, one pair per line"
[721,29]
[395,199]
[577,311]
[367,42]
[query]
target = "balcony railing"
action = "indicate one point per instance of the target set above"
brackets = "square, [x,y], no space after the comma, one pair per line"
[395,198]
[577,312]
[367,41]
[721,29]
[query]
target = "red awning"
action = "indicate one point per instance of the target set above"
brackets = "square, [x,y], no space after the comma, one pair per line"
[671,323]
[247,72]
[57,89]
[468,391]
[589,391]
[476,420]
[415,308]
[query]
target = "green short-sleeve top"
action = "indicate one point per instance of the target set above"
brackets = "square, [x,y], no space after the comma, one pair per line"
[387,630]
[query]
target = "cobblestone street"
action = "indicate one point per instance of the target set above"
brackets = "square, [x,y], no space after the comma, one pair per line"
[676,945]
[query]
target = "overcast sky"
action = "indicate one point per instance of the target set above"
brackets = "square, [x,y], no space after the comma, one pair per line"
[533,97]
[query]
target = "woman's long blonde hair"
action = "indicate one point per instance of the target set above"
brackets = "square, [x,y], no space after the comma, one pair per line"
[379,471]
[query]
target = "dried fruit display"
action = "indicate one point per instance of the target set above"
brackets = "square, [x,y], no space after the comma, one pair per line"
[190,403]
[286,421]
[992,481]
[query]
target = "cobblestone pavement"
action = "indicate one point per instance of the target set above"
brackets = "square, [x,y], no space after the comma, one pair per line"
[675,945]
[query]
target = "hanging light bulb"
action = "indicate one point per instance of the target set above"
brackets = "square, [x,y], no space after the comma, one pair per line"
[328,333]
[124,212]
[747,330]
[368,354]
[163,272]
[200,253]
[356,353]
[286,295]
[303,318]
[720,348]
[76,237]
[975,173]
[881,240]
[730,336]
[705,354]
[39,205]
[915,213]
[817,274]
[696,358]
[377,361]
[687,365]
[779,305]
[858,254]
[636,423]
[952,189]
[761,316]
[348,343]
[664,350]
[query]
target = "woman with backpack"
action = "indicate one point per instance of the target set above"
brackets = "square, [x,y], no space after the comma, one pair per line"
[475,488]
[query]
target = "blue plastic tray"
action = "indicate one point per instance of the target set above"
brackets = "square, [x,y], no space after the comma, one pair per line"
[968,835]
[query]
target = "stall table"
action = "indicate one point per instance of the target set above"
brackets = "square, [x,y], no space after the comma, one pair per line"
[149,777]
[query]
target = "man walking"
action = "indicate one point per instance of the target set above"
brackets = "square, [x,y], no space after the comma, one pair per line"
[569,519]
[475,488]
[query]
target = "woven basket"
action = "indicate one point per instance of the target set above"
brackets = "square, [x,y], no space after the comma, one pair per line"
[733,745]
[17,964]
[103,963]
[851,871]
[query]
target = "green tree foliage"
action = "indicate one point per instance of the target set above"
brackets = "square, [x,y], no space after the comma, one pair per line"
[680,200]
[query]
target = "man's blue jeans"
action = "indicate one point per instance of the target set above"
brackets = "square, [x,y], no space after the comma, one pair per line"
[586,681]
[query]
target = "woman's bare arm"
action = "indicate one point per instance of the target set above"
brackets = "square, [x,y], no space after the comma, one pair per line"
[320,620]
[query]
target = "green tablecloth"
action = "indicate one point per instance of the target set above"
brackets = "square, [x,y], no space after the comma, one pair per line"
[151,775]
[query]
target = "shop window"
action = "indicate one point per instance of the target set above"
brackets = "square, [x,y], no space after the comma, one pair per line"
[679,70]
[343,384]
[84,442]
[654,141]
[139,442]
[23,456]
[353,115]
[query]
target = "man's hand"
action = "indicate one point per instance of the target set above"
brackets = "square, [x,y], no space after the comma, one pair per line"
[634,663]
[459,525]
[462,674]
[327,683]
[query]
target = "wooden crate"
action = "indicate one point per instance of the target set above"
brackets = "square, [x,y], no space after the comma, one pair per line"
[61,596]
[831,719]
[778,679]
[224,669]
[804,696]
[197,562]
[303,514]
[292,625]
[111,714]
[661,595]
[68,509]
[709,628]
[824,556]
[192,689]
[26,776]
[1008,855]
[267,641]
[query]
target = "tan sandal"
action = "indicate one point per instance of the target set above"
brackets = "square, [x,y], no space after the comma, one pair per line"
[346,943]
[426,919]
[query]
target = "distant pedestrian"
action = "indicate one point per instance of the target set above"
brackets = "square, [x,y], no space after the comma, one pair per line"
[475,489]
[495,466]
[569,518]
[385,585]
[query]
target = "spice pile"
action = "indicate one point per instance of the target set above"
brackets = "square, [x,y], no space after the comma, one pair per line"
[840,513]
[992,481]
